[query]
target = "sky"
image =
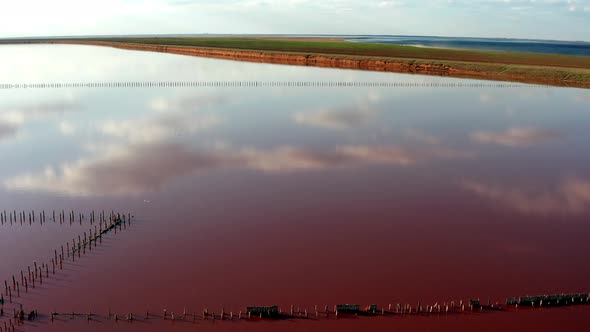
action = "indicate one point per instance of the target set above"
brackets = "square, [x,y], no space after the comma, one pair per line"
[539,19]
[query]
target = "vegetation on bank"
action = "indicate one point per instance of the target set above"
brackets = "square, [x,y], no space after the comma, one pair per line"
[365,49]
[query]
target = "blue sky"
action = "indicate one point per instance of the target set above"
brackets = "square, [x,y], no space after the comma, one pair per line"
[543,19]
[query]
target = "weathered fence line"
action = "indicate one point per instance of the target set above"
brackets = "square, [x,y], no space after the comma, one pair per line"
[472,306]
[12,287]
[262,84]
[24,217]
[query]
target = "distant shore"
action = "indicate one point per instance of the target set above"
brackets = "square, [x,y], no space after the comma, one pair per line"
[547,69]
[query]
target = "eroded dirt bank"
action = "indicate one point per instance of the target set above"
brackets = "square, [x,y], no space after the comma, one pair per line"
[336,61]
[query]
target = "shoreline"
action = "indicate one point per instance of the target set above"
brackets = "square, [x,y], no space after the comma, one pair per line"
[544,75]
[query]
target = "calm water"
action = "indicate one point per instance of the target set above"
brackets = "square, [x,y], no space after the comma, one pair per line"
[302,196]
[490,44]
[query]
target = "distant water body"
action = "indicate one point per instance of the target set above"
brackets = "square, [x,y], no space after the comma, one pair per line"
[491,44]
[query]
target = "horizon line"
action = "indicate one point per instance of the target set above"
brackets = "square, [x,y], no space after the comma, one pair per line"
[283,34]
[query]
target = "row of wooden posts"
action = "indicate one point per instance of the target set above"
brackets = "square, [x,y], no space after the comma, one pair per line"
[250,314]
[274,312]
[42,270]
[31,217]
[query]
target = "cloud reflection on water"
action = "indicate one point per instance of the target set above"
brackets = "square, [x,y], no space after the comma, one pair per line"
[49,107]
[180,116]
[146,167]
[570,197]
[160,127]
[136,156]
[67,128]
[350,116]
[515,137]
[7,130]
[421,136]
[14,118]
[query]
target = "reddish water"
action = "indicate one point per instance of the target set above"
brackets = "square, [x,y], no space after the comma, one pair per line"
[252,196]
